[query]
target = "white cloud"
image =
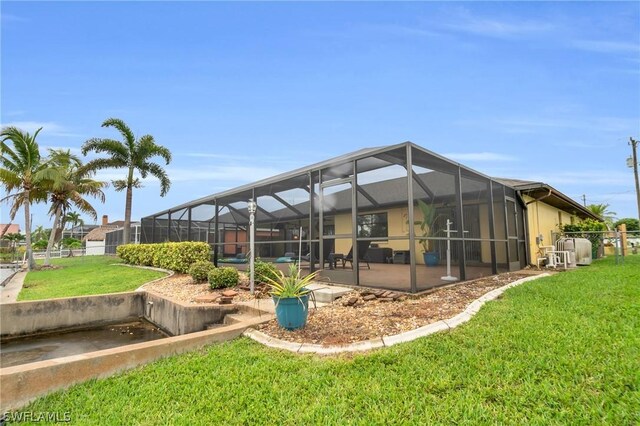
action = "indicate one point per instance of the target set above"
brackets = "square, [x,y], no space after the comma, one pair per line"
[49,128]
[479,156]
[462,20]
[238,174]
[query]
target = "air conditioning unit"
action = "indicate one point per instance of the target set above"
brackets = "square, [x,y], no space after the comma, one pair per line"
[579,250]
[584,255]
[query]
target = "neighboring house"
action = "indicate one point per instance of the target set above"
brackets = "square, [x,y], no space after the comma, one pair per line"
[95,240]
[11,229]
[367,207]
[547,211]
[103,239]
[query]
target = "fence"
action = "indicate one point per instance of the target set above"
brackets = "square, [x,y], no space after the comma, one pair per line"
[607,243]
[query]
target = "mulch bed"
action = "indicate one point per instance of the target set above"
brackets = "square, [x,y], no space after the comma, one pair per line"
[340,324]
[352,318]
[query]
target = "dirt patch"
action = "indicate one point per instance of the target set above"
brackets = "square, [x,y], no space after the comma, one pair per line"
[364,320]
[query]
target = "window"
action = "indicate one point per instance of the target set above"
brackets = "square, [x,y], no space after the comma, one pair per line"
[373,225]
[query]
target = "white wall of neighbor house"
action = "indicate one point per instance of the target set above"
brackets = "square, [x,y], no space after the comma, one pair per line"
[95,248]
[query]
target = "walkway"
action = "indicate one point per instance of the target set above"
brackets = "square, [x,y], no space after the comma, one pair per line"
[9,293]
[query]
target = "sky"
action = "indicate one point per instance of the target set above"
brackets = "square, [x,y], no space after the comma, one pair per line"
[546,91]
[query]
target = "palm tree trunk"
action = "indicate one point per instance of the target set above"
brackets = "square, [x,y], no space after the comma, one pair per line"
[52,237]
[31,263]
[126,237]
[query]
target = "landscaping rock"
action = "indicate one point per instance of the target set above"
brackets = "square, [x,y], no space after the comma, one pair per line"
[209,298]
[369,297]
[385,299]
[230,293]
[350,301]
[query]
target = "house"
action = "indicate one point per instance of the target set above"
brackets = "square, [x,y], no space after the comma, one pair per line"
[399,217]
[10,228]
[547,211]
[103,239]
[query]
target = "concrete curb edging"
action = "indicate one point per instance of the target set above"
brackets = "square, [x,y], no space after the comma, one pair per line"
[385,341]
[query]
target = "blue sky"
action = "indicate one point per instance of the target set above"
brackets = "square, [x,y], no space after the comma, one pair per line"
[242,91]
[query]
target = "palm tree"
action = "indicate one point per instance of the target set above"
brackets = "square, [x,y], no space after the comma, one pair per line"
[22,174]
[73,183]
[39,233]
[133,155]
[74,219]
[602,210]
[13,238]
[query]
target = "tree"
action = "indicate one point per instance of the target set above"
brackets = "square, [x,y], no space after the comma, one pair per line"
[39,233]
[602,210]
[132,155]
[74,182]
[632,223]
[23,175]
[14,238]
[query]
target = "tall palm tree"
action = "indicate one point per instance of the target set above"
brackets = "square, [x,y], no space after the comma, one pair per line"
[22,174]
[73,184]
[133,155]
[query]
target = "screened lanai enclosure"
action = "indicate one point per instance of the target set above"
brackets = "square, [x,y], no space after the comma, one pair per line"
[398,217]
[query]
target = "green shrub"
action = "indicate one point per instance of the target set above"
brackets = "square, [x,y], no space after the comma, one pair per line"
[265,270]
[175,256]
[199,271]
[223,277]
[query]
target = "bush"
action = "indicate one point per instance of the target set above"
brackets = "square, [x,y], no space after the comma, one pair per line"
[199,271]
[264,269]
[175,256]
[223,277]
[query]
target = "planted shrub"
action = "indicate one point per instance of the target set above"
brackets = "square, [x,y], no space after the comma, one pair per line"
[223,277]
[199,271]
[175,256]
[264,270]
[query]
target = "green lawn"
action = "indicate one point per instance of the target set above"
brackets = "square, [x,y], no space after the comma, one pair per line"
[81,276]
[559,350]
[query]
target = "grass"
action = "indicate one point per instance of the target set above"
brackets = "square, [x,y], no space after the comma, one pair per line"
[81,276]
[558,350]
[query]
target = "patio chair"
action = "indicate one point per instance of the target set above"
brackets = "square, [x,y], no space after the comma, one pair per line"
[327,254]
[363,248]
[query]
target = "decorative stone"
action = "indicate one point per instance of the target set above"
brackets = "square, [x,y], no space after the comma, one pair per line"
[385,299]
[208,298]
[229,293]
[369,297]
[350,301]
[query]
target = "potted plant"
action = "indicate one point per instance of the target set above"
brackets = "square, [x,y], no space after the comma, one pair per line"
[429,218]
[291,297]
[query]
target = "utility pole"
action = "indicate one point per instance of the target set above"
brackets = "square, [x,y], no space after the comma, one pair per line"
[584,199]
[634,147]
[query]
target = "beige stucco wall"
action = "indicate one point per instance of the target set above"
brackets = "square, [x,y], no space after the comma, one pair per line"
[543,219]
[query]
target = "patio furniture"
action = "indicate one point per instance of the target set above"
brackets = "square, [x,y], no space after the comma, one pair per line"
[363,248]
[328,256]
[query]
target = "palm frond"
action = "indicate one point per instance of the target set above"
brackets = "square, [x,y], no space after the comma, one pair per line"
[114,148]
[124,130]
[157,171]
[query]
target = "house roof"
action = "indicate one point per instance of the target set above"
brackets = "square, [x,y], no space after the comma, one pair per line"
[13,228]
[549,195]
[98,234]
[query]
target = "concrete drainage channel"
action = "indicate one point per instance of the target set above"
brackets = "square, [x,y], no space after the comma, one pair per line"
[176,327]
